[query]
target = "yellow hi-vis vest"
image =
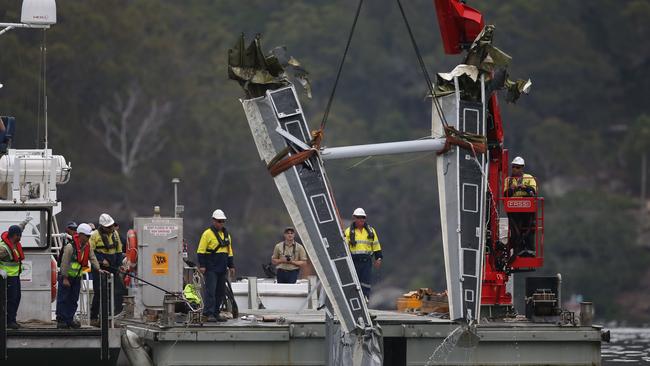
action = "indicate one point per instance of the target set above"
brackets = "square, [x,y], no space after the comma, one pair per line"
[97,244]
[75,266]
[12,268]
[209,244]
[363,244]
[190,294]
[525,180]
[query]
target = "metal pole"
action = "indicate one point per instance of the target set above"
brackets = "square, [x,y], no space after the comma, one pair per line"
[3,315]
[23,25]
[175,182]
[7,29]
[387,148]
[105,301]
[148,283]
[111,296]
[45,85]
[253,300]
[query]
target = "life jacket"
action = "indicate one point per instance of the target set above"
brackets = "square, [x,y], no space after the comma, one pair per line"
[511,186]
[370,230]
[223,242]
[69,239]
[215,250]
[79,259]
[106,244]
[13,267]
[109,244]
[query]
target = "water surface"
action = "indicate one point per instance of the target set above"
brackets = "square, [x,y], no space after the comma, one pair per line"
[630,346]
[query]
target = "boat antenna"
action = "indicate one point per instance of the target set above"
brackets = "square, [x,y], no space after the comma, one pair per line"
[44,53]
[41,93]
[37,14]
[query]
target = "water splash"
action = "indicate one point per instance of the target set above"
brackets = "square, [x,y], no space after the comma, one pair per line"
[444,349]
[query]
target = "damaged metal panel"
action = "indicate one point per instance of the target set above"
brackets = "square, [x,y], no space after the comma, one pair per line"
[462,182]
[257,73]
[308,198]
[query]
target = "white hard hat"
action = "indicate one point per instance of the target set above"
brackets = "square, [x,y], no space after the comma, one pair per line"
[84,229]
[359,212]
[106,220]
[518,161]
[218,215]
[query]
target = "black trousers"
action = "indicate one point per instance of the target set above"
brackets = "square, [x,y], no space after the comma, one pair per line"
[13,298]
[287,276]
[363,266]
[67,298]
[215,290]
[119,289]
[522,231]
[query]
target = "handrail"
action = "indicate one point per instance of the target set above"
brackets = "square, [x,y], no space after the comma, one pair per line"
[104,301]
[3,315]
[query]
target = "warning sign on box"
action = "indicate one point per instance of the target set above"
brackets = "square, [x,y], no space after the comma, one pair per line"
[159,264]
[160,230]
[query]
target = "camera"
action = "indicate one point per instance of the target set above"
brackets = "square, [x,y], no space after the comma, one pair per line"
[288,257]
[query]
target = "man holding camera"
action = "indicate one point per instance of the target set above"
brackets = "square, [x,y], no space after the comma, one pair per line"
[288,257]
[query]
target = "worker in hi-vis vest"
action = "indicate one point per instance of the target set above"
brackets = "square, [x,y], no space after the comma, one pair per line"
[216,261]
[522,224]
[364,247]
[11,260]
[76,258]
[106,243]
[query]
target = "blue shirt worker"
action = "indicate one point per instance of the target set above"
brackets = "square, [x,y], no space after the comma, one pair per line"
[11,259]
[76,257]
[106,244]
[364,246]
[216,261]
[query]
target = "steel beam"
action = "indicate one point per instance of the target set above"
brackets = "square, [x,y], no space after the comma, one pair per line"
[386,148]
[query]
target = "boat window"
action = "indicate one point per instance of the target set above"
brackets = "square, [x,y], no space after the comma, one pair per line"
[35,232]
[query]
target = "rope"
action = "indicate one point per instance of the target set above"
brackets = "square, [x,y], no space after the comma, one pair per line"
[338,74]
[425,73]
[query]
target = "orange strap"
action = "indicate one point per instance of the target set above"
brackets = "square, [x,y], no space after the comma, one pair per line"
[282,162]
[464,140]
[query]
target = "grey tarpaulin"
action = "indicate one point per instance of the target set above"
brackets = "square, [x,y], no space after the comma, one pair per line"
[352,349]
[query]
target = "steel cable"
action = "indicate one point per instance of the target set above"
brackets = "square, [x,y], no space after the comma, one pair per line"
[338,74]
[425,72]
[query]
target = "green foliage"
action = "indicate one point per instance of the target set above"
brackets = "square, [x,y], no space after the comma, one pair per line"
[591,241]
[637,140]
[587,61]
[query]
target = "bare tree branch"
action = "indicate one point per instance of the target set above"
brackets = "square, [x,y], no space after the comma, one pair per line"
[117,128]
